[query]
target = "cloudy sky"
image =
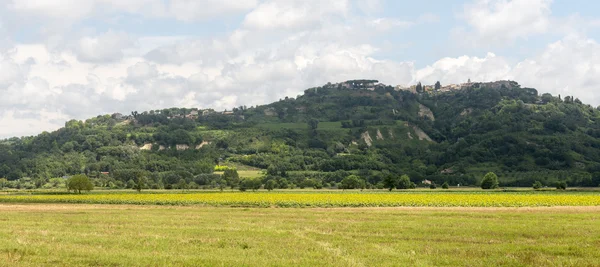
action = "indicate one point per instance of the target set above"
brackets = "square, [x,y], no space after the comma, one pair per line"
[75,59]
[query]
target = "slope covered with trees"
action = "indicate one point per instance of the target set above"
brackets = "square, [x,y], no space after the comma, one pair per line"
[358,128]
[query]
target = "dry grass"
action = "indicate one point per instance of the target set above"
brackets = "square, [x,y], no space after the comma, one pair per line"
[131,235]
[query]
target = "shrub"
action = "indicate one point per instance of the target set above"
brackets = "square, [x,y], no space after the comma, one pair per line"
[561,185]
[445,185]
[489,181]
[404,182]
[537,185]
[352,182]
[79,182]
[432,186]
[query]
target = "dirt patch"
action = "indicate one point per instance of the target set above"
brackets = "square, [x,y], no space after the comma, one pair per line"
[425,112]
[466,111]
[420,134]
[204,143]
[367,137]
[182,147]
[379,135]
[147,146]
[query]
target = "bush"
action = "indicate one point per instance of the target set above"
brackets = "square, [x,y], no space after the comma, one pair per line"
[404,182]
[489,181]
[537,185]
[561,185]
[432,186]
[352,182]
[79,182]
[445,185]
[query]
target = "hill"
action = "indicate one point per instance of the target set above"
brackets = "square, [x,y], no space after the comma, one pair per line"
[357,127]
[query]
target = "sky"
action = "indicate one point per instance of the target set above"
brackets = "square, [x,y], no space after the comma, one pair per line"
[76,59]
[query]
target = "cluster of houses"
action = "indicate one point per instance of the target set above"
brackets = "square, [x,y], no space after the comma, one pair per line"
[461,86]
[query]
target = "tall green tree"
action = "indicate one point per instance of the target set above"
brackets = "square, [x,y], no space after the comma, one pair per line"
[79,183]
[391,181]
[489,181]
[404,182]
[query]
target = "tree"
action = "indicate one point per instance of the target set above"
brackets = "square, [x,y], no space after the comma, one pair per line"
[140,182]
[79,182]
[445,185]
[489,181]
[3,182]
[313,124]
[352,182]
[182,184]
[537,185]
[419,88]
[391,181]
[232,177]
[561,185]
[432,186]
[250,183]
[270,184]
[404,182]
[438,86]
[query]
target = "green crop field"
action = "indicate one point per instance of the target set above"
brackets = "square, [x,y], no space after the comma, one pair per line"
[124,235]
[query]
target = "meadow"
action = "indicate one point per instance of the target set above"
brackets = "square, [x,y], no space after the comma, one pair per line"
[134,235]
[457,198]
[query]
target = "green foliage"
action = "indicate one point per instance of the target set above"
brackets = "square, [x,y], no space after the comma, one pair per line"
[489,181]
[352,182]
[445,185]
[391,181]
[270,184]
[250,183]
[232,177]
[79,183]
[561,185]
[404,182]
[537,185]
[432,186]
[321,137]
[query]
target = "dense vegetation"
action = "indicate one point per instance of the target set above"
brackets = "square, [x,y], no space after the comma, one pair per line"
[349,135]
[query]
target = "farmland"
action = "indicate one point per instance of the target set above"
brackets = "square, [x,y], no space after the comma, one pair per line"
[455,198]
[126,235]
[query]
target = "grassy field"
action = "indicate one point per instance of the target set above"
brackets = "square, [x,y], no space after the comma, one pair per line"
[122,235]
[318,198]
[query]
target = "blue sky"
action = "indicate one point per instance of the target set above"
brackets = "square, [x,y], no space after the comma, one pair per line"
[74,59]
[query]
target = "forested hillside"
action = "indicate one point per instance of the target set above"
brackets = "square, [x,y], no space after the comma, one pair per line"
[360,128]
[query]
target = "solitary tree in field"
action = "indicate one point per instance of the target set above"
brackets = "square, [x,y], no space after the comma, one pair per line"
[445,185]
[79,182]
[489,181]
[404,182]
[140,182]
[391,181]
[537,185]
[270,185]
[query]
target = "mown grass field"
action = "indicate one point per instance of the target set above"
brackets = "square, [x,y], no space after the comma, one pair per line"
[320,198]
[125,235]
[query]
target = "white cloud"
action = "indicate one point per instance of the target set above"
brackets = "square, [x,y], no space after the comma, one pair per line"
[107,47]
[293,15]
[506,20]
[191,10]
